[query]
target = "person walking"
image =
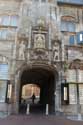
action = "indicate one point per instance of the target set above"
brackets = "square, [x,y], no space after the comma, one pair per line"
[33,98]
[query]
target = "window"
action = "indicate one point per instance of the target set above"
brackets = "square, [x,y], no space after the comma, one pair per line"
[80,38]
[53,13]
[72,94]
[65,93]
[81,93]
[3,86]
[36,0]
[67,26]
[80,77]
[4,34]
[71,40]
[71,75]
[72,1]
[4,20]
[7,34]
[13,20]
[9,92]
[43,0]
[4,71]
[8,20]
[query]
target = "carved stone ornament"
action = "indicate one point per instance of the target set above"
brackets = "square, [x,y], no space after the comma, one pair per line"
[3,59]
[56,51]
[22,47]
[39,54]
[41,22]
[39,41]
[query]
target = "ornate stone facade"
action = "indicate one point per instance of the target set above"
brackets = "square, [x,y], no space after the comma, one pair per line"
[40,52]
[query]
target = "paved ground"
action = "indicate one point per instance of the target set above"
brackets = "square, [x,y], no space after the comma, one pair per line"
[37,120]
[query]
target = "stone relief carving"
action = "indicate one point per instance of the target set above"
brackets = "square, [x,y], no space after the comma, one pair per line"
[55,51]
[3,59]
[22,48]
[39,55]
[39,41]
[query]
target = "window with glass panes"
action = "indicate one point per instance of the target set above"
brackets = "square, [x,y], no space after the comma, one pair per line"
[80,37]
[3,86]
[72,40]
[68,26]
[72,94]
[3,81]
[7,20]
[7,34]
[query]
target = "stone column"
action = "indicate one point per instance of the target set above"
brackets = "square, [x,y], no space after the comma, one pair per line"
[17,91]
[58,93]
[12,81]
[15,94]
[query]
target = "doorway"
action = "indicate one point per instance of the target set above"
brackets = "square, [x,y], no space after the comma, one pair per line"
[40,82]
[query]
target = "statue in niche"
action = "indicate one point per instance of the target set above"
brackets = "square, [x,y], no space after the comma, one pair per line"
[3,59]
[56,51]
[22,50]
[39,41]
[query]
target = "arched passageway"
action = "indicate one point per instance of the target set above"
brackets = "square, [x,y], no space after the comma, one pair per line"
[46,81]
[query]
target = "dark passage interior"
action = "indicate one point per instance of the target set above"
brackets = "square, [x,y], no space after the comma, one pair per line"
[45,80]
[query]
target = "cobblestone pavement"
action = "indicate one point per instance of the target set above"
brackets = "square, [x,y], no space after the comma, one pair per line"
[37,120]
